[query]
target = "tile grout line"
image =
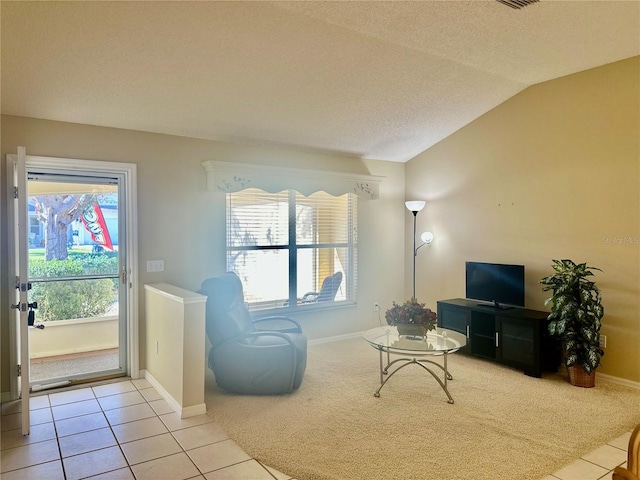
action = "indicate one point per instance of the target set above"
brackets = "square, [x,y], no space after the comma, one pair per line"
[129,466]
[601,466]
[610,470]
[55,430]
[265,467]
[114,436]
[156,415]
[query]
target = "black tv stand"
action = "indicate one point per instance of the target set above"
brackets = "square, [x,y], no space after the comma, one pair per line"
[513,336]
[497,305]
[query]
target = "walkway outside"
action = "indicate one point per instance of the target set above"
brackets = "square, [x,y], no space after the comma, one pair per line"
[47,368]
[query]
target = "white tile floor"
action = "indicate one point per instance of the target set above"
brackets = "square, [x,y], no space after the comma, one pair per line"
[126,431]
[598,464]
[118,431]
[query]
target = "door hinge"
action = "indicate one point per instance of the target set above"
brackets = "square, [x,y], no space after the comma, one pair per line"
[23,287]
[19,369]
[15,192]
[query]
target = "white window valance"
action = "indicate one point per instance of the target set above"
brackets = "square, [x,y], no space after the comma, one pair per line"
[230,177]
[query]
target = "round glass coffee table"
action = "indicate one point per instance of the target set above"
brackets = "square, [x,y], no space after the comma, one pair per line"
[414,349]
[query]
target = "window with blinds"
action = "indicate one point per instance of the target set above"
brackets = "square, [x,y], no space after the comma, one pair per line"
[292,251]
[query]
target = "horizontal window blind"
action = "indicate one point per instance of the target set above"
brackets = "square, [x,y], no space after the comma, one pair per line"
[285,245]
[257,218]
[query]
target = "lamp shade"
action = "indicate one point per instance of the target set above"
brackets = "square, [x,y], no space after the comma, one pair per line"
[427,237]
[414,205]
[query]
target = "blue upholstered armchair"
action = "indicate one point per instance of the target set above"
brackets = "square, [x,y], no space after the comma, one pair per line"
[262,356]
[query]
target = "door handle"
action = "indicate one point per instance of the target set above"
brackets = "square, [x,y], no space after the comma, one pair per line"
[31,319]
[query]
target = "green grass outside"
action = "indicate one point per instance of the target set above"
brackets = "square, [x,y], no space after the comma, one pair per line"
[73,253]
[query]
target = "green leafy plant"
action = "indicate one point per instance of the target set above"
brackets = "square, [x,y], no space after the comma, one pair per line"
[576,312]
[411,312]
[62,300]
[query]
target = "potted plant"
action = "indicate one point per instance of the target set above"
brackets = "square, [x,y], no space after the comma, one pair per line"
[411,318]
[576,314]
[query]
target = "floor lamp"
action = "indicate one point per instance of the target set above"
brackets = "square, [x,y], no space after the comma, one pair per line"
[414,206]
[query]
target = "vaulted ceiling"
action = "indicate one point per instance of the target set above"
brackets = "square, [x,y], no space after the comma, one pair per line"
[383,80]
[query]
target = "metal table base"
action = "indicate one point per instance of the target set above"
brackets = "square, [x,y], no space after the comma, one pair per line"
[403,362]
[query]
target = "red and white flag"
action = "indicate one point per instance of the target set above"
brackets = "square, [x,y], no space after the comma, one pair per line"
[93,221]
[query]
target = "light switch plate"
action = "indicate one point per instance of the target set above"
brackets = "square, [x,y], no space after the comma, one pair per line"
[155,266]
[603,341]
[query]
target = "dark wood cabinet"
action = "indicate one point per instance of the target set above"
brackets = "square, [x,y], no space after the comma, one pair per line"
[514,336]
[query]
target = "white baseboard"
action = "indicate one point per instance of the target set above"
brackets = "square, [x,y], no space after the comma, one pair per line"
[182,412]
[193,410]
[619,381]
[337,338]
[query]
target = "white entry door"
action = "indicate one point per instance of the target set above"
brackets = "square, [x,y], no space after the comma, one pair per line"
[20,287]
[74,255]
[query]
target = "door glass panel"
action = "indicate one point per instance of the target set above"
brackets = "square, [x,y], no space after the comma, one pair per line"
[74,265]
[74,299]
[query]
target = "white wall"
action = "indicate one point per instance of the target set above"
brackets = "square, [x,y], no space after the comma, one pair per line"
[182,223]
[175,338]
[552,173]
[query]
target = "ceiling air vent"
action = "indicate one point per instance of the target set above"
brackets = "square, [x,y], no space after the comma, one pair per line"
[517,4]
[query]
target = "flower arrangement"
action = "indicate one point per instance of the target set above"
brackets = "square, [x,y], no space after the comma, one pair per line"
[411,313]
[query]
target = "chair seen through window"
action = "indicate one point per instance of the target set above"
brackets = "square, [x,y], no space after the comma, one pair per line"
[291,250]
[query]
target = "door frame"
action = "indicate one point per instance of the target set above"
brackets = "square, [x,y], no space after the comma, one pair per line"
[88,167]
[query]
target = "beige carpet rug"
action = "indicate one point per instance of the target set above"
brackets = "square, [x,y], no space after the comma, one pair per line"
[503,425]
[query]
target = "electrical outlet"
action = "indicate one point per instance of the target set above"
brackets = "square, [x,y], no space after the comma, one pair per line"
[603,341]
[155,266]
[376,307]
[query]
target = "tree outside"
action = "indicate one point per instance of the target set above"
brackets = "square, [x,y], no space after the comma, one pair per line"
[58,258]
[56,213]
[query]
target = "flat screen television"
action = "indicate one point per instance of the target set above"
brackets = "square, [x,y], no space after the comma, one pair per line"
[500,284]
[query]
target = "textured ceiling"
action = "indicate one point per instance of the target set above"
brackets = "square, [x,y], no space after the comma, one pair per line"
[382,80]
